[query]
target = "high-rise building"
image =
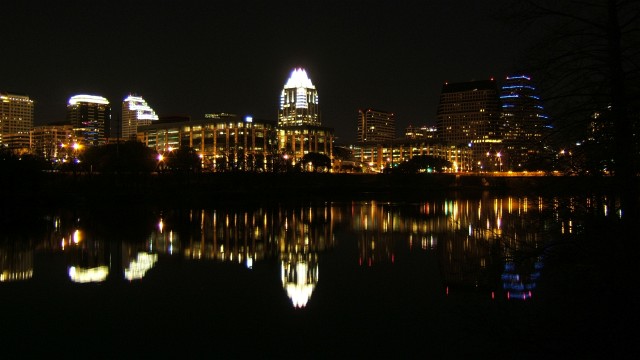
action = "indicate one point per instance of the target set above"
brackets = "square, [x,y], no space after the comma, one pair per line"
[299,126]
[469,113]
[523,120]
[299,101]
[376,126]
[90,117]
[16,121]
[135,112]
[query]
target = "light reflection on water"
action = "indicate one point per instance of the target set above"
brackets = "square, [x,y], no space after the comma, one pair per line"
[490,243]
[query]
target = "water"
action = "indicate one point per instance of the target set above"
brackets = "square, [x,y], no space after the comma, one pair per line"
[445,278]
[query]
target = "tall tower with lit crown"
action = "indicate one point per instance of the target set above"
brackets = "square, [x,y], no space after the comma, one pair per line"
[299,126]
[299,101]
[135,112]
[90,117]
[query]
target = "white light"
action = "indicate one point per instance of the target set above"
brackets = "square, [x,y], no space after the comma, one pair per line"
[248,118]
[88,99]
[140,106]
[82,275]
[139,267]
[299,79]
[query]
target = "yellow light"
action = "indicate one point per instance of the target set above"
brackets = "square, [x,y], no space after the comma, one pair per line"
[77,237]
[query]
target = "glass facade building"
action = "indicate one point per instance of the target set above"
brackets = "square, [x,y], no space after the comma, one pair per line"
[523,120]
[468,114]
[90,117]
[376,125]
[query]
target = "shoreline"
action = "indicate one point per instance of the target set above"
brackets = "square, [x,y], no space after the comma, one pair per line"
[103,189]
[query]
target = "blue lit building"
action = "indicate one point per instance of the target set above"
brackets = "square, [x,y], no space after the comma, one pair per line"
[524,123]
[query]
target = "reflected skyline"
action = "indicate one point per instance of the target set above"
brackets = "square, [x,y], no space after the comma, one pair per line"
[475,240]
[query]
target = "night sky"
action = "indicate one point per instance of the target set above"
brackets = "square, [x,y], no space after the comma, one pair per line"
[197,57]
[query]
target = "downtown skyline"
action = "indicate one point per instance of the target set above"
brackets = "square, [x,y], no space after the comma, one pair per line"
[193,58]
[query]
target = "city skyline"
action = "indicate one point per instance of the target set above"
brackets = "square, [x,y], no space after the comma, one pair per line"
[196,58]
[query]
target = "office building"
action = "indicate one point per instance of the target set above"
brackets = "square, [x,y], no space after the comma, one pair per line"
[299,124]
[423,132]
[135,112]
[16,121]
[523,121]
[380,156]
[90,117]
[375,126]
[224,142]
[468,114]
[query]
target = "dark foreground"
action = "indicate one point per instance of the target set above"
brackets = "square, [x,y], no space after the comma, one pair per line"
[587,307]
[212,310]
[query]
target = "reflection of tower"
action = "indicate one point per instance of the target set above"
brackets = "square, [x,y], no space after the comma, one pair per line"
[136,261]
[304,234]
[299,277]
[374,224]
[15,264]
[88,258]
[520,286]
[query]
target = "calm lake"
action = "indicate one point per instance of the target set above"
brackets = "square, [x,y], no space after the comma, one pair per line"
[460,276]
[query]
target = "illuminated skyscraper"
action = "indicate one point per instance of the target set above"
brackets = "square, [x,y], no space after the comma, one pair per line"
[299,126]
[90,117]
[135,112]
[523,121]
[376,126]
[468,113]
[16,121]
[299,101]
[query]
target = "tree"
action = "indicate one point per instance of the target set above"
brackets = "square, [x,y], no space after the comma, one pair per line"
[588,61]
[185,160]
[128,157]
[423,163]
[316,161]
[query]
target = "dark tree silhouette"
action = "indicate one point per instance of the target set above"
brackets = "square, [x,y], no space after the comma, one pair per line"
[422,163]
[318,162]
[127,157]
[587,60]
[184,160]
